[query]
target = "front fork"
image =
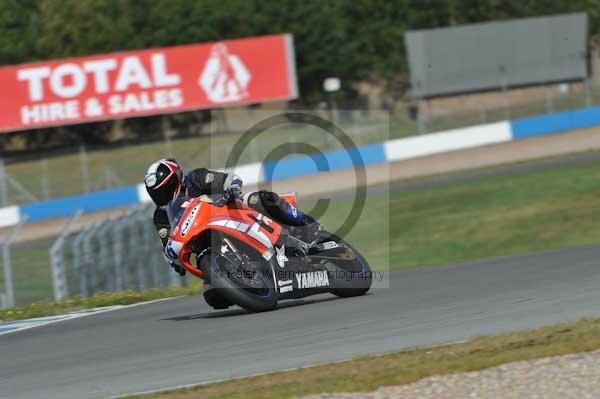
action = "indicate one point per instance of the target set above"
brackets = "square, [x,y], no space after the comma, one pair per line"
[231,253]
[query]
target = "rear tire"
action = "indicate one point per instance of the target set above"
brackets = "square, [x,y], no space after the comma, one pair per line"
[348,285]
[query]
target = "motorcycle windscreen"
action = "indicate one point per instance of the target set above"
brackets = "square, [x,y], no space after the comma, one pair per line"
[175,210]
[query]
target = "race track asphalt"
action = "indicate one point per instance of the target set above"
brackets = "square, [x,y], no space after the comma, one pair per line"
[182,341]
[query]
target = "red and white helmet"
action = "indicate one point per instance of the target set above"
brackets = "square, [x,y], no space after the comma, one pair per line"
[163,181]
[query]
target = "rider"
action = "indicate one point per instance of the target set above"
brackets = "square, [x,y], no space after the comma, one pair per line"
[165,180]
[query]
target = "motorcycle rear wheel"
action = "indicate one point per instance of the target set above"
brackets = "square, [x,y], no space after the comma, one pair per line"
[351,278]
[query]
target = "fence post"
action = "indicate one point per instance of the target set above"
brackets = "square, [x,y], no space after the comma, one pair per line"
[76,249]
[118,253]
[88,274]
[149,237]
[130,256]
[57,261]
[45,181]
[588,97]
[104,252]
[166,135]
[143,237]
[122,259]
[135,263]
[421,122]
[3,186]
[9,291]
[85,169]
[549,99]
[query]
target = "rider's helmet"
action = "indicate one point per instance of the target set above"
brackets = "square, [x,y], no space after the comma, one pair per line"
[163,181]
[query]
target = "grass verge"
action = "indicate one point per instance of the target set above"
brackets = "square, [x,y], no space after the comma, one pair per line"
[492,216]
[368,373]
[41,309]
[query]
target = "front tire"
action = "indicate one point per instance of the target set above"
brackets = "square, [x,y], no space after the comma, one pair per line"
[260,297]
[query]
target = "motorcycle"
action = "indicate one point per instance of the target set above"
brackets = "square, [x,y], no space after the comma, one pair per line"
[249,260]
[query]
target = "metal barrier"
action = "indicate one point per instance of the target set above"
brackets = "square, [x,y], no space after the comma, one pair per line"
[117,254]
[8,297]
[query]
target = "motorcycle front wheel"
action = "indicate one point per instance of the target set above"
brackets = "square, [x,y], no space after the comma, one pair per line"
[251,288]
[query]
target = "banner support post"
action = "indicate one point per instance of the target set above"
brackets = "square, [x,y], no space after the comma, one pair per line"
[3,187]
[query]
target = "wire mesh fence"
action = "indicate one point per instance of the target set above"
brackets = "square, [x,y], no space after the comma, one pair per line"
[116,254]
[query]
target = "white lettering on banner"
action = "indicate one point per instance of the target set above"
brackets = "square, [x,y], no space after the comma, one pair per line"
[69,80]
[50,112]
[132,72]
[93,107]
[34,77]
[144,101]
[312,279]
[159,72]
[100,70]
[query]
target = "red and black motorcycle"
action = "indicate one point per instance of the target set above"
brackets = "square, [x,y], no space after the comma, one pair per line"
[249,260]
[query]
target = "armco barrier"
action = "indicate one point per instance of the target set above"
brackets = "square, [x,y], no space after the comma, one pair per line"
[322,162]
[389,151]
[90,202]
[451,140]
[554,123]
[9,216]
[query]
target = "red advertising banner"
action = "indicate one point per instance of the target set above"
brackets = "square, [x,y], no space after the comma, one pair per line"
[147,82]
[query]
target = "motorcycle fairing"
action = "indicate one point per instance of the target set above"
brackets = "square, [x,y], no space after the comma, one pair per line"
[237,221]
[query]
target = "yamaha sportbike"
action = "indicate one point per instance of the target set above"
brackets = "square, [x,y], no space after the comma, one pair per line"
[249,260]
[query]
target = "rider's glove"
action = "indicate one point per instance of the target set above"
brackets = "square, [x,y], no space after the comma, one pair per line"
[178,268]
[175,265]
[235,194]
[220,200]
[232,194]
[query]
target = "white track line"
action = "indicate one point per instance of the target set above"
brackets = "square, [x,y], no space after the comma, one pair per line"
[28,324]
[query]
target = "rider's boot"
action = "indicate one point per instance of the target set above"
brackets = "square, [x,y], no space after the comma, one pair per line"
[302,226]
[214,299]
[307,230]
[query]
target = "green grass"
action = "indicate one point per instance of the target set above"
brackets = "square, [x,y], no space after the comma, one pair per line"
[494,216]
[369,373]
[457,222]
[39,309]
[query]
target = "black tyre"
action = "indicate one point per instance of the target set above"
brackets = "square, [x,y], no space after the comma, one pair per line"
[351,277]
[256,294]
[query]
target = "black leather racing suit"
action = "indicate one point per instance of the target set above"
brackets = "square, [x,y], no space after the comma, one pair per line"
[203,181]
